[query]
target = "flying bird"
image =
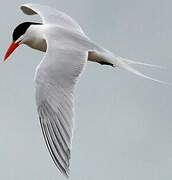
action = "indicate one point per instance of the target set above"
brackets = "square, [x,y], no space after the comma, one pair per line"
[67,49]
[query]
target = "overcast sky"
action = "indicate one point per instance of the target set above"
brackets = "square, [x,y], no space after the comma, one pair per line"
[123,122]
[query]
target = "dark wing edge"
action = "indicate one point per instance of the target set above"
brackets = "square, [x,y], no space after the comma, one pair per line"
[56,137]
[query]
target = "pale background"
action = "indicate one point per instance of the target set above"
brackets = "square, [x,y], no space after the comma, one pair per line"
[123,122]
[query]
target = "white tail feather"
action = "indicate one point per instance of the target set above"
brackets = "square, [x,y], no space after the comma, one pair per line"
[129,68]
[141,63]
[124,63]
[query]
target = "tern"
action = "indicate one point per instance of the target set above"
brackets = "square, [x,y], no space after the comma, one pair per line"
[67,49]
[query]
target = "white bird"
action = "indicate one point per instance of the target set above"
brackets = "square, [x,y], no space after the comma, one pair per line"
[67,50]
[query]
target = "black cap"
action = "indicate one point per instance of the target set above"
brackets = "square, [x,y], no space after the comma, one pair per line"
[22,28]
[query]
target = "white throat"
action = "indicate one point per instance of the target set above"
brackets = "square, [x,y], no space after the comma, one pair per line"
[34,38]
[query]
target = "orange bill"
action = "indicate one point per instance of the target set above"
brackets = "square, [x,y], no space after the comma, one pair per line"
[11,48]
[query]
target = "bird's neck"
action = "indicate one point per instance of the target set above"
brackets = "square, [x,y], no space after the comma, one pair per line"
[35,37]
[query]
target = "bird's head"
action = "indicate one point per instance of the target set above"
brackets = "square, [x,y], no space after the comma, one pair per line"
[18,37]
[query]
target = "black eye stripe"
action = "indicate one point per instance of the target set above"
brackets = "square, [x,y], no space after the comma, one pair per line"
[21,29]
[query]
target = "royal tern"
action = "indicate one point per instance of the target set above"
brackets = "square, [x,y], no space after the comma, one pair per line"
[67,50]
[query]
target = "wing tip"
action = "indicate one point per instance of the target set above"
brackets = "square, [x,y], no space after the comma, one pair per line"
[64,168]
[66,173]
[27,9]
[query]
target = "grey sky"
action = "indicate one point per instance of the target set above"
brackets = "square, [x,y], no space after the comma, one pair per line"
[123,122]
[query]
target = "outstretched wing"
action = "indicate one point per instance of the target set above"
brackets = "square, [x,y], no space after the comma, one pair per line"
[51,16]
[55,78]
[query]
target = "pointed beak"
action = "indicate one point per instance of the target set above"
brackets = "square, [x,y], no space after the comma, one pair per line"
[11,48]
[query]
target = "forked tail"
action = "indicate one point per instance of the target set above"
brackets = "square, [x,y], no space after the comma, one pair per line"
[125,65]
[108,58]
